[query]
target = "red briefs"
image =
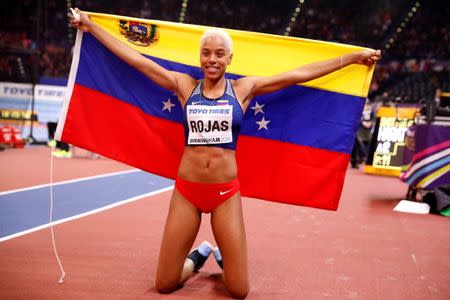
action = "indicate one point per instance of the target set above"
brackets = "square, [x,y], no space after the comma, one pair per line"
[207,196]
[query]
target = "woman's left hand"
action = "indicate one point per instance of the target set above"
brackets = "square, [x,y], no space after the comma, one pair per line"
[369,57]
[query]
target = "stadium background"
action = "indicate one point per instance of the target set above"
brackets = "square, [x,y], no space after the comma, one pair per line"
[365,250]
[35,40]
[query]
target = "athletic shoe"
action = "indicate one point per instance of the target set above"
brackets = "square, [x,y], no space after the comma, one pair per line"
[59,153]
[218,257]
[200,255]
[52,143]
[67,154]
[62,154]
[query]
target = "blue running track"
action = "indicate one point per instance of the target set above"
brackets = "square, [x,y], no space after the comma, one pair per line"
[26,209]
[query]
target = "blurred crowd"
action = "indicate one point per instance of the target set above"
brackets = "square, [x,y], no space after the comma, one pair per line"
[426,35]
[422,46]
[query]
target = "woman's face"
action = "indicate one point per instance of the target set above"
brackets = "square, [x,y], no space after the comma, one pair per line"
[214,58]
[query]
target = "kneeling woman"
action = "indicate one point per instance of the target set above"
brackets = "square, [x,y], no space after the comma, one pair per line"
[207,176]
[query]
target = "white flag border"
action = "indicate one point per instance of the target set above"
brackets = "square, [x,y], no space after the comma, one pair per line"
[70,84]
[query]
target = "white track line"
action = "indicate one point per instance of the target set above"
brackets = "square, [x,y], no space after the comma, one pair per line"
[69,181]
[85,214]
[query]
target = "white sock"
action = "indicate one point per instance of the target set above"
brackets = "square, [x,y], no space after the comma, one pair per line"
[205,248]
[217,254]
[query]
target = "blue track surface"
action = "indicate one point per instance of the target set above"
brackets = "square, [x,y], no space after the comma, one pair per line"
[24,210]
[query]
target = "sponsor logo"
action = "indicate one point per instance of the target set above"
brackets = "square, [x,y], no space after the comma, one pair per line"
[225,192]
[25,91]
[138,33]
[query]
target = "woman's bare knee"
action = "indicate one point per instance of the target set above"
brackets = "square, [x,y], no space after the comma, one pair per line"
[238,292]
[237,288]
[166,287]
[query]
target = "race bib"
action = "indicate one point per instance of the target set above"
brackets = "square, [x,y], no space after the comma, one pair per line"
[209,124]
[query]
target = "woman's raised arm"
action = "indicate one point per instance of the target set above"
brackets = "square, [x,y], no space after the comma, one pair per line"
[264,85]
[167,79]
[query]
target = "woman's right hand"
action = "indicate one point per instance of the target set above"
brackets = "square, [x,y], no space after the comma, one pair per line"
[84,24]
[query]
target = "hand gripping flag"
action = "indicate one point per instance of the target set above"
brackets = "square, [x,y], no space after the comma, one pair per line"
[294,145]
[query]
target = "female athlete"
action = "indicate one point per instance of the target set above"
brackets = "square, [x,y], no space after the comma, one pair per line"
[207,175]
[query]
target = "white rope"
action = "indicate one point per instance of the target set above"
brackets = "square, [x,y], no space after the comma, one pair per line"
[63,274]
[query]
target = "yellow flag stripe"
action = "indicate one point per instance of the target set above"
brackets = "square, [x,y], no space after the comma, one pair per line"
[255,54]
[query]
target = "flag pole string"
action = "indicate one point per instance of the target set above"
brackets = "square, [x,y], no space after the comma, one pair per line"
[63,273]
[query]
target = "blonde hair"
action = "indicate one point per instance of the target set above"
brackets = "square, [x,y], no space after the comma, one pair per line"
[220,33]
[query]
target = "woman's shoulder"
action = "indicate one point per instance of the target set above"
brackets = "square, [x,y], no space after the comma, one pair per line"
[245,83]
[186,84]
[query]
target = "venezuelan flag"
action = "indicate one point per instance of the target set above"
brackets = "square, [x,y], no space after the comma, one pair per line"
[294,146]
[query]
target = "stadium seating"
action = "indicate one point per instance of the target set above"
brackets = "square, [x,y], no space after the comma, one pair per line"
[420,51]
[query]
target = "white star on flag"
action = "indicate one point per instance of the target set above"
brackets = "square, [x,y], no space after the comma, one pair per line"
[258,108]
[168,105]
[263,124]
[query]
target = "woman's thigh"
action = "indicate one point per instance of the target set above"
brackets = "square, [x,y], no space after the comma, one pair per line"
[182,224]
[229,231]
